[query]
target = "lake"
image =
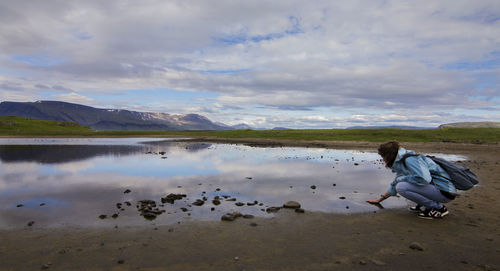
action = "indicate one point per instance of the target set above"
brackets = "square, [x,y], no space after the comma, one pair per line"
[71,182]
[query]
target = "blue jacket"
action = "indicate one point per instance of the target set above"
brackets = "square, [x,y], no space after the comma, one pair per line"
[419,170]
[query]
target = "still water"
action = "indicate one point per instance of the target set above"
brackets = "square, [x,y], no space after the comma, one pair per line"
[71,182]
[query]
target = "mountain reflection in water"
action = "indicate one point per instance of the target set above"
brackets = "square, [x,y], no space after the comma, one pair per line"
[59,184]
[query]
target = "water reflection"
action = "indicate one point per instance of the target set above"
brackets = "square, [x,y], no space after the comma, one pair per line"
[74,184]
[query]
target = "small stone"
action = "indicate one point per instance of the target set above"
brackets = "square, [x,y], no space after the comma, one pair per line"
[341,197]
[273,209]
[313,187]
[46,266]
[127,191]
[248,216]
[356,164]
[42,204]
[292,205]
[20,205]
[103,216]
[253,224]
[31,223]
[248,178]
[198,202]
[377,262]
[362,262]
[236,258]
[121,261]
[114,216]
[239,204]
[300,210]
[228,217]
[416,246]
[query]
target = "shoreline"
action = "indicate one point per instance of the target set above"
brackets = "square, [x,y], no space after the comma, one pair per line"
[467,239]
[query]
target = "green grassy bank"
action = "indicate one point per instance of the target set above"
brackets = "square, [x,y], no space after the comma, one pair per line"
[22,127]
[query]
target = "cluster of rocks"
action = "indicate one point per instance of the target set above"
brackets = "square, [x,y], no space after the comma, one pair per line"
[148,209]
[232,216]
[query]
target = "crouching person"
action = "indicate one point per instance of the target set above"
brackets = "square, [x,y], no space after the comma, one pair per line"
[418,179]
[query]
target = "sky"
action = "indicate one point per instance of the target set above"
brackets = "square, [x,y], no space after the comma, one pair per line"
[294,64]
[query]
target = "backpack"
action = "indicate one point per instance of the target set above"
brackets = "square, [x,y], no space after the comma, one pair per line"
[461,177]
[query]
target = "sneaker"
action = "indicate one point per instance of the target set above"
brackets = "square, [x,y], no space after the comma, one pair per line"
[417,209]
[443,211]
[431,213]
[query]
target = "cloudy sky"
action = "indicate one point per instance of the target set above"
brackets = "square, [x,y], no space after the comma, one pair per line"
[297,64]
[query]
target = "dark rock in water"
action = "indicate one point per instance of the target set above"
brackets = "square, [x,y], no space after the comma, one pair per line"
[128,203]
[356,164]
[273,209]
[216,202]
[127,191]
[236,214]
[114,216]
[31,223]
[248,178]
[341,197]
[253,224]
[171,198]
[20,205]
[248,216]
[416,246]
[149,215]
[300,210]
[291,204]
[251,203]
[228,217]
[212,209]
[334,184]
[184,209]
[239,204]
[119,205]
[147,202]
[103,216]
[42,204]
[313,187]
[198,202]
[217,189]
[233,199]
[161,153]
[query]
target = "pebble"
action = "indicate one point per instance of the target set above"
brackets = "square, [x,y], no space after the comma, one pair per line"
[313,187]
[114,216]
[292,205]
[239,204]
[198,202]
[416,246]
[248,216]
[31,223]
[300,210]
[42,204]
[121,261]
[273,209]
[20,205]
[341,197]
[127,191]
[103,216]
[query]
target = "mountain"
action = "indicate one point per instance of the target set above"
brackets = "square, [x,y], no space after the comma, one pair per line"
[107,119]
[390,126]
[482,124]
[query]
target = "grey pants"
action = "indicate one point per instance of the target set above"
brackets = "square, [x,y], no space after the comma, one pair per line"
[426,195]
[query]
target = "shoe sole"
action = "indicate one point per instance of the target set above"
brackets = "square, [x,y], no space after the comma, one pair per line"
[426,217]
[445,213]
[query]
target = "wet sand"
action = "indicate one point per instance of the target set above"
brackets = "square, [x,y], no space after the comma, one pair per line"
[467,239]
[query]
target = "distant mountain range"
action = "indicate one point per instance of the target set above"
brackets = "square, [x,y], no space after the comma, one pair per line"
[108,119]
[482,124]
[390,126]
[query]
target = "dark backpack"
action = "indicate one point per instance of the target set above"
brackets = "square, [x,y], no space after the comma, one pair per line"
[461,177]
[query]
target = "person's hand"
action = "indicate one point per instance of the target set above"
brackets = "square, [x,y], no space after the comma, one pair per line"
[375,201]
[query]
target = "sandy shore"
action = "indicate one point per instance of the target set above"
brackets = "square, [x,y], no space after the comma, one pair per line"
[467,239]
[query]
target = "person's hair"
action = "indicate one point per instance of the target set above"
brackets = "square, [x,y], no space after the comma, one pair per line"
[389,151]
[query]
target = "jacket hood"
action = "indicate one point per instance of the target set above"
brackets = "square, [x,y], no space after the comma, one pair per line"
[401,152]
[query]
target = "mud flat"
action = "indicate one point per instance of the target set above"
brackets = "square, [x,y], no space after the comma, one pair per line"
[467,239]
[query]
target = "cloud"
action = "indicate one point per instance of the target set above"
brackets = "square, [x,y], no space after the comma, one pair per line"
[285,55]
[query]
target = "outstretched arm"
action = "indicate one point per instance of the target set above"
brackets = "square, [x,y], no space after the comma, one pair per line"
[379,200]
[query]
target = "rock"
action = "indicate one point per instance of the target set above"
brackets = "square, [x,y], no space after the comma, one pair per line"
[103,216]
[216,202]
[119,205]
[233,199]
[356,164]
[416,246]
[341,197]
[114,216]
[20,205]
[313,187]
[248,216]
[248,178]
[46,266]
[127,191]
[236,214]
[292,205]
[198,202]
[362,262]
[377,262]
[149,215]
[31,223]
[273,209]
[300,210]
[228,217]
[184,209]
[121,261]
[253,224]
[128,203]
[171,198]
[161,153]
[239,204]
[42,204]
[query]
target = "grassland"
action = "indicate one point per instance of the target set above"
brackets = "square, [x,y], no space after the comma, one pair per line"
[22,127]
